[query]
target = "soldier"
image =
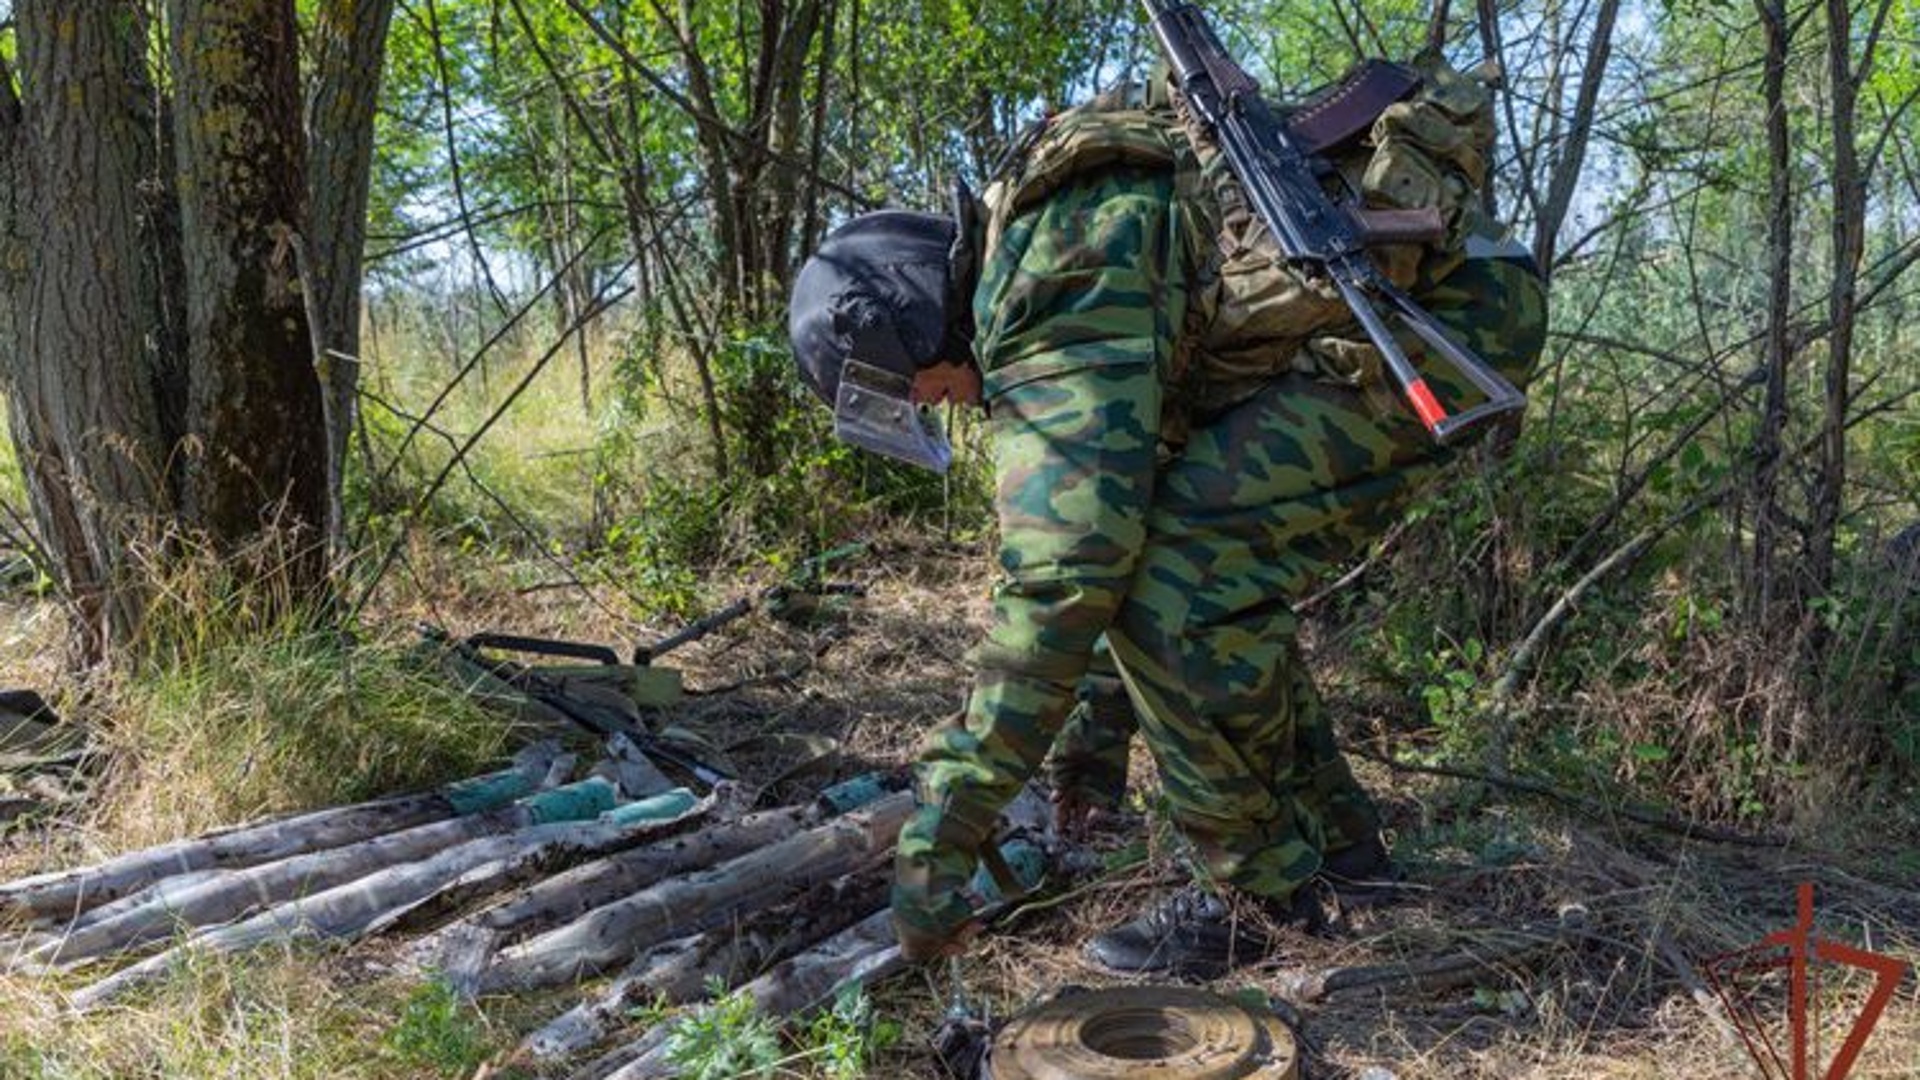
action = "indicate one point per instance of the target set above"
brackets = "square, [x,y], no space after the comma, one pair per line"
[1186,435]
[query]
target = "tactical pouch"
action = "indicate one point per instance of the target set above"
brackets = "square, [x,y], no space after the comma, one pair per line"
[1259,318]
[1432,149]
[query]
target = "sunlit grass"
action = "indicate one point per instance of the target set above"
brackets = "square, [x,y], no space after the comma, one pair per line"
[13,489]
[551,457]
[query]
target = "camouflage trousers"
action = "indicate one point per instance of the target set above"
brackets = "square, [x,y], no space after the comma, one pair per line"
[1089,762]
[1205,645]
[1267,499]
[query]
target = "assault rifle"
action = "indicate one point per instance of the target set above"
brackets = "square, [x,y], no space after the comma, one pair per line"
[551,696]
[1316,235]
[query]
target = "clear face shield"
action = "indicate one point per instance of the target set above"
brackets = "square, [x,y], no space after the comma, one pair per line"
[874,410]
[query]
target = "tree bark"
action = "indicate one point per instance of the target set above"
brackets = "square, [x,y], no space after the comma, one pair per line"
[153,303]
[67,893]
[613,934]
[86,417]
[349,46]
[254,407]
[787,45]
[12,254]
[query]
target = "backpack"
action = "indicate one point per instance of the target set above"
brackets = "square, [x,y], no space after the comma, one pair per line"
[1251,317]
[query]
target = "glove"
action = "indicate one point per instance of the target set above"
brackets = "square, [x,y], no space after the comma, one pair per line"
[1088,765]
[933,908]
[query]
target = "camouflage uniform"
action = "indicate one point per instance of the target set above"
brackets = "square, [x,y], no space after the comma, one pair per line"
[1186,557]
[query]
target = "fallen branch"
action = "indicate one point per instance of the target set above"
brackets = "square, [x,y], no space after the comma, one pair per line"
[1647,816]
[194,902]
[863,953]
[1696,987]
[683,970]
[1503,948]
[569,895]
[671,814]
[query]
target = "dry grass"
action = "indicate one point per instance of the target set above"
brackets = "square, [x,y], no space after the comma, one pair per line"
[1598,1004]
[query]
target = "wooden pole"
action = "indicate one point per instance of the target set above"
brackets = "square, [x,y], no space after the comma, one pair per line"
[348,911]
[863,953]
[682,970]
[192,902]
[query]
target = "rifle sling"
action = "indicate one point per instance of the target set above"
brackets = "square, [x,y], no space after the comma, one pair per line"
[1350,106]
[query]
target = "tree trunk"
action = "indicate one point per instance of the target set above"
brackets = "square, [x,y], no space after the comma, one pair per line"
[86,416]
[1773,417]
[254,406]
[787,46]
[152,294]
[1567,165]
[1849,237]
[12,254]
[349,44]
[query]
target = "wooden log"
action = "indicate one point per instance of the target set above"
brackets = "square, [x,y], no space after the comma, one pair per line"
[66,894]
[861,954]
[347,911]
[228,895]
[681,971]
[116,908]
[615,933]
[489,879]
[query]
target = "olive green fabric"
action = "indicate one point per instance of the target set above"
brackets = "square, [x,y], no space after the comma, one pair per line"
[1186,561]
[1089,762]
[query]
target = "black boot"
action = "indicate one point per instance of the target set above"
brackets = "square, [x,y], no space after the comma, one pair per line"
[1196,934]
[1364,874]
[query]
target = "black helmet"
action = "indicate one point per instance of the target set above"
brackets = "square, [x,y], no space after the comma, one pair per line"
[882,286]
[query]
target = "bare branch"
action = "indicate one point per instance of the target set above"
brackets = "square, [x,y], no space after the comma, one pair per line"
[453,157]
[705,117]
[1572,158]
[600,304]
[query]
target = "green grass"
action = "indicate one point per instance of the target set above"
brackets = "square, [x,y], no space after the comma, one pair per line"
[286,720]
[13,489]
[438,1033]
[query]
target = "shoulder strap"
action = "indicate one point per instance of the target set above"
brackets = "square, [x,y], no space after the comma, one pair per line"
[1118,129]
[1351,105]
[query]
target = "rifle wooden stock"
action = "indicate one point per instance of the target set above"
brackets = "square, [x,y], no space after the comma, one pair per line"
[1421,226]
